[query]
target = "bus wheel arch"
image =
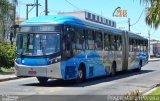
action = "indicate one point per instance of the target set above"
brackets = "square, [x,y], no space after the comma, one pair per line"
[81,73]
[113,68]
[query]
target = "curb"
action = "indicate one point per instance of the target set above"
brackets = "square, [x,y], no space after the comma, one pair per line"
[154,87]
[150,91]
[154,60]
[6,79]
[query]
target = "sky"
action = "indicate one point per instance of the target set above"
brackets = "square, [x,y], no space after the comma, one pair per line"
[135,11]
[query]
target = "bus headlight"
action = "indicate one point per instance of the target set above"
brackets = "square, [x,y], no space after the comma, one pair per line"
[54,60]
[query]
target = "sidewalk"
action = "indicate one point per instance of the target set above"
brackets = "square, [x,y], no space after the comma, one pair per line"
[154,59]
[7,76]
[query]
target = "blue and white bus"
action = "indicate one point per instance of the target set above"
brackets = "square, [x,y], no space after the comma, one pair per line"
[66,47]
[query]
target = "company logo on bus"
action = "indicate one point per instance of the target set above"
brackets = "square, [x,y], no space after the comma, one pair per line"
[118,12]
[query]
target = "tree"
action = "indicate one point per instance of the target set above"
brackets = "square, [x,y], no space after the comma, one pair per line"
[7,15]
[152,12]
[4,8]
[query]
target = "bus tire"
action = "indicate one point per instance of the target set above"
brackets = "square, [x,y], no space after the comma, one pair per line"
[42,80]
[139,67]
[81,75]
[113,69]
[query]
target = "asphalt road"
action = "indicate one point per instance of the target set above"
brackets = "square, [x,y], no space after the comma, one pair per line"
[96,88]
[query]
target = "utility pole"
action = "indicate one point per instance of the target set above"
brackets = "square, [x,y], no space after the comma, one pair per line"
[129,25]
[33,5]
[27,11]
[149,44]
[37,7]
[27,5]
[46,7]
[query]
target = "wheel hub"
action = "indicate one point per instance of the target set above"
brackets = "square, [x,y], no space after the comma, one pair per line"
[80,74]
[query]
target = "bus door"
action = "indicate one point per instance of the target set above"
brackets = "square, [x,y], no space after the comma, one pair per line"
[124,51]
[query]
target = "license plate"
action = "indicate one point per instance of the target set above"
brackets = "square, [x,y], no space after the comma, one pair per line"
[32,72]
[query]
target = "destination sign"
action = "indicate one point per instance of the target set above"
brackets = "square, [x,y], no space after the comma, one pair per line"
[39,28]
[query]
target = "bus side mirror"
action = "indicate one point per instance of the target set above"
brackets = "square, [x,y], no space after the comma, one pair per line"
[15,26]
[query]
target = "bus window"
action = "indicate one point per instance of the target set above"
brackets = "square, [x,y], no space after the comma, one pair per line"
[109,38]
[106,42]
[119,43]
[138,45]
[90,39]
[38,44]
[145,45]
[130,45]
[113,42]
[52,42]
[98,41]
[80,43]
[70,38]
[141,44]
[134,45]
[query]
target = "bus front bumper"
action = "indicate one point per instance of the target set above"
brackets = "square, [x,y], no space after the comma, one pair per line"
[50,71]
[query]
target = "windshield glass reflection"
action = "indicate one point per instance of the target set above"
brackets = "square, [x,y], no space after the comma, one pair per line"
[37,44]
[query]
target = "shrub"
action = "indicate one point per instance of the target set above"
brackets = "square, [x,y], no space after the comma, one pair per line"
[7,55]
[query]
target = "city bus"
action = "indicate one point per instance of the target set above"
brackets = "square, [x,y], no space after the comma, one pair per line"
[69,48]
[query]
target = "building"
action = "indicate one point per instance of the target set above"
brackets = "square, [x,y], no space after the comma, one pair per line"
[85,15]
[19,20]
[155,48]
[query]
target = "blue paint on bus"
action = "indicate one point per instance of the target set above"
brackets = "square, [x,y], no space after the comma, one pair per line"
[54,19]
[33,61]
[96,62]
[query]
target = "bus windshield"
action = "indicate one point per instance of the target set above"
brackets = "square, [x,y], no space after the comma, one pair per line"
[37,44]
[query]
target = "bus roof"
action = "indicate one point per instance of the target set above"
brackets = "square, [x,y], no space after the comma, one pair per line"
[64,19]
[51,19]
[71,20]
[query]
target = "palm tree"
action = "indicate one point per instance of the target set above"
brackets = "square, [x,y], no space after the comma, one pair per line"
[152,12]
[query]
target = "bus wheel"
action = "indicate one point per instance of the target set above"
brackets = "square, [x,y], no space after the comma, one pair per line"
[42,80]
[113,69]
[80,74]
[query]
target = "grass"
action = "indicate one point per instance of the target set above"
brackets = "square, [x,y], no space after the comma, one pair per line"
[153,96]
[136,95]
[2,69]
[155,92]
